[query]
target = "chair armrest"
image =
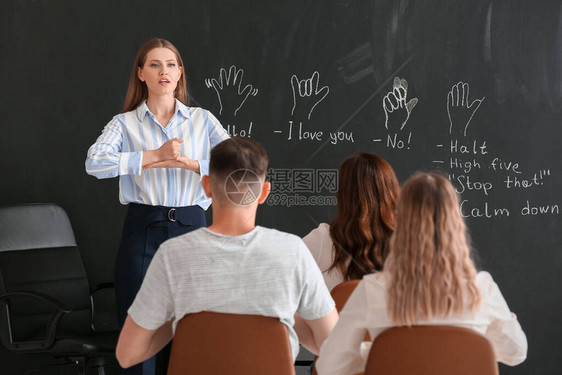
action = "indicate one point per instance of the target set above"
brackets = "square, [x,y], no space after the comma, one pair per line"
[103,321]
[59,311]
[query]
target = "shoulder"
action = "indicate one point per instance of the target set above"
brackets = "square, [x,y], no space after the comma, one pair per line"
[486,283]
[377,280]
[126,118]
[187,251]
[324,227]
[115,125]
[120,118]
[376,285]
[484,277]
[199,113]
[289,244]
[317,236]
[319,241]
[374,289]
[322,230]
[274,235]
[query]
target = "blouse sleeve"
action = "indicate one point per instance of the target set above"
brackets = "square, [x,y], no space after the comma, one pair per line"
[505,333]
[105,158]
[217,134]
[340,353]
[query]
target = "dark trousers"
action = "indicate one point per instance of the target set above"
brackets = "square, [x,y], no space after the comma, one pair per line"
[145,228]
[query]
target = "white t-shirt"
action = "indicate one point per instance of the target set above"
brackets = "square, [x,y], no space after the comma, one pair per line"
[365,311]
[263,272]
[321,247]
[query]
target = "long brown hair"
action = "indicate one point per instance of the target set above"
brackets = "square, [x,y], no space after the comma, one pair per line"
[366,196]
[429,262]
[137,91]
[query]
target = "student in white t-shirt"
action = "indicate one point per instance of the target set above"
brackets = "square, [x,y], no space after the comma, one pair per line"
[428,279]
[233,266]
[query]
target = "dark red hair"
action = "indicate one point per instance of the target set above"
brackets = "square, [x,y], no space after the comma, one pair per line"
[367,193]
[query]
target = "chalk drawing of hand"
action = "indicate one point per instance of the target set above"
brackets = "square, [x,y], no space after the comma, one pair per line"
[396,110]
[229,89]
[458,108]
[306,92]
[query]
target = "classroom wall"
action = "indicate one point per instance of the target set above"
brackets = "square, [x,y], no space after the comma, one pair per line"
[318,84]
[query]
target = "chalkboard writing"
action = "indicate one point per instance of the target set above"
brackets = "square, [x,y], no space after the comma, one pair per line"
[470,88]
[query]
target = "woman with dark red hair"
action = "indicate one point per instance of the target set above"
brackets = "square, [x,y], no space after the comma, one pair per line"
[356,242]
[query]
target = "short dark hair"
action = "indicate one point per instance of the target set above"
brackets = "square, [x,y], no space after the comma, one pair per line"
[238,153]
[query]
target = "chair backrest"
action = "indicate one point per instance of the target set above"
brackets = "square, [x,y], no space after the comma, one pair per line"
[38,254]
[341,292]
[216,343]
[431,350]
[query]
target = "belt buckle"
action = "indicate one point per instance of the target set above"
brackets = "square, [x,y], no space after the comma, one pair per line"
[171,215]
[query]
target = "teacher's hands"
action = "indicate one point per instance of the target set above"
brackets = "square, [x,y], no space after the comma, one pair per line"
[170,149]
[169,156]
[181,162]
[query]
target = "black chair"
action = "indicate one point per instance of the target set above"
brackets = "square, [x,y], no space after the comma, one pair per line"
[45,298]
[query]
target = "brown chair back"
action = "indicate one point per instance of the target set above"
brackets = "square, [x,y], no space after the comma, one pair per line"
[215,343]
[341,292]
[431,350]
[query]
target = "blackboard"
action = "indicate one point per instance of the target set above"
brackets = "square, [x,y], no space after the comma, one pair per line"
[313,79]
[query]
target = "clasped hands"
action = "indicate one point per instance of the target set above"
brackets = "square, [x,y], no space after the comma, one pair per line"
[169,156]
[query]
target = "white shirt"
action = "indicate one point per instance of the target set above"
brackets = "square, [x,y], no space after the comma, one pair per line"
[118,151]
[365,311]
[321,247]
[263,272]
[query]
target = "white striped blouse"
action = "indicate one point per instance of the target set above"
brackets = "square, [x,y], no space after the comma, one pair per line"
[118,152]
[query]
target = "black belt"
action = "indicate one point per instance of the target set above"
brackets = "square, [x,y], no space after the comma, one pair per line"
[142,214]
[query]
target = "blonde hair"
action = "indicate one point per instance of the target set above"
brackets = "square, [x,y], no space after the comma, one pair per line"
[429,262]
[137,91]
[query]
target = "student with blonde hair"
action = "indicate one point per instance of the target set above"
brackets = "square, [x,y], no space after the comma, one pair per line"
[428,279]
